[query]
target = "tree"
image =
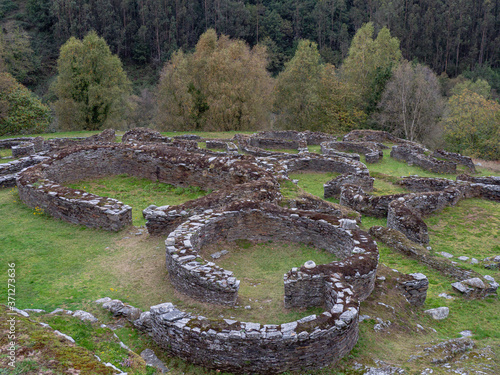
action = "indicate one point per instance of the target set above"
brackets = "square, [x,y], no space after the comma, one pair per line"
[472,125]
[368,60]
[15,47]
[91,87]
[21,111]
[223,86]
[411,104]
[480,87]
[309,95]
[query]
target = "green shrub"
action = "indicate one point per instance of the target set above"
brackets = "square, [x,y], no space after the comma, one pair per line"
[21,111]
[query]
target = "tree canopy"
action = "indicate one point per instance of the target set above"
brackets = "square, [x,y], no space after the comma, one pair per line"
[411,104]
[472,125]
[223,85]
[310,95]
[368,57]
[20,110]
[91,85]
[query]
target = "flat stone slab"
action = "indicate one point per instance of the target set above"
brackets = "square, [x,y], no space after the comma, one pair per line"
[438,313]
[152,360]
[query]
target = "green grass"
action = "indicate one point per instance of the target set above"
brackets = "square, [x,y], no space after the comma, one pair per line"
[313,182]
[392,167]
[260,268]
[471,228]
[3,153]
[314,148]
[57,264]
[139,193]
[63,265]
[289,190]
[480,316]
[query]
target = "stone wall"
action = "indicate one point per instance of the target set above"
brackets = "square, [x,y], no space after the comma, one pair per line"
[457,158]
[9,171]
[405,213]
[203,280]
[309,202]
[215,143]
[154,162]
[10,142]
[245,347]
[372,150]
[75,206]
[23,149]
[322,163]
[414,287]
[397,241]
[414,156]
[274,143]
[354,196]
[228,345]
[333,188]
[379,136]
[142,135]
[286,139]
[492,180]
[423,184]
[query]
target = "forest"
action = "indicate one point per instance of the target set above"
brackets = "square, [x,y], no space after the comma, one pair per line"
[327,65]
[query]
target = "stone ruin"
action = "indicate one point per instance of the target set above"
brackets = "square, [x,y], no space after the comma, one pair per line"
[245,203]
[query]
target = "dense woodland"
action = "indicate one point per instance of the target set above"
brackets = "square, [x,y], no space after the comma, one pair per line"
[449,36]
[425,70]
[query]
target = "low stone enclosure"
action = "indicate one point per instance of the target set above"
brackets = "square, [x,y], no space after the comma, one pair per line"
[248,347]
[405,211]
[40,186]
[469,283]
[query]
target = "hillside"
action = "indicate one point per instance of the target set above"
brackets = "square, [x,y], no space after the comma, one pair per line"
[451,36]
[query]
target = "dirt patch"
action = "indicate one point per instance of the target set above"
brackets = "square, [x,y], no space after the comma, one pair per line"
[491,165]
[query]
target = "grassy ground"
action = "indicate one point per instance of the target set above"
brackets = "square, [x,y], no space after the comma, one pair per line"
[3,153]
[130,266]
[313,182]
[139,193]
[393,167]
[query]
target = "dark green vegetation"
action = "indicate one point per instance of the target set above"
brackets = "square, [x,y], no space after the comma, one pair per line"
[450,35]
[62,265]
[21,111]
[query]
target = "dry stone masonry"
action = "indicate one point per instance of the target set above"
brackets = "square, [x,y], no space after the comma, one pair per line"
[414,156]
[397,241]
[201,279]
[372,150]
[247,347]
[152,161]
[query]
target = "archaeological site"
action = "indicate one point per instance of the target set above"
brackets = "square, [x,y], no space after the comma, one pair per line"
[244,177]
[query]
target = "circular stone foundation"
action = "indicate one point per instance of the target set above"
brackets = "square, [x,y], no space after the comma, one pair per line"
[41,185]
[311,342]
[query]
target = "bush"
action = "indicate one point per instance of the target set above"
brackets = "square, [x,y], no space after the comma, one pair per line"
[21,112]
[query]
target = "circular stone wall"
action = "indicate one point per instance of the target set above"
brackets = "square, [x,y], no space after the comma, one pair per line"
[40,186]
[312,342]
